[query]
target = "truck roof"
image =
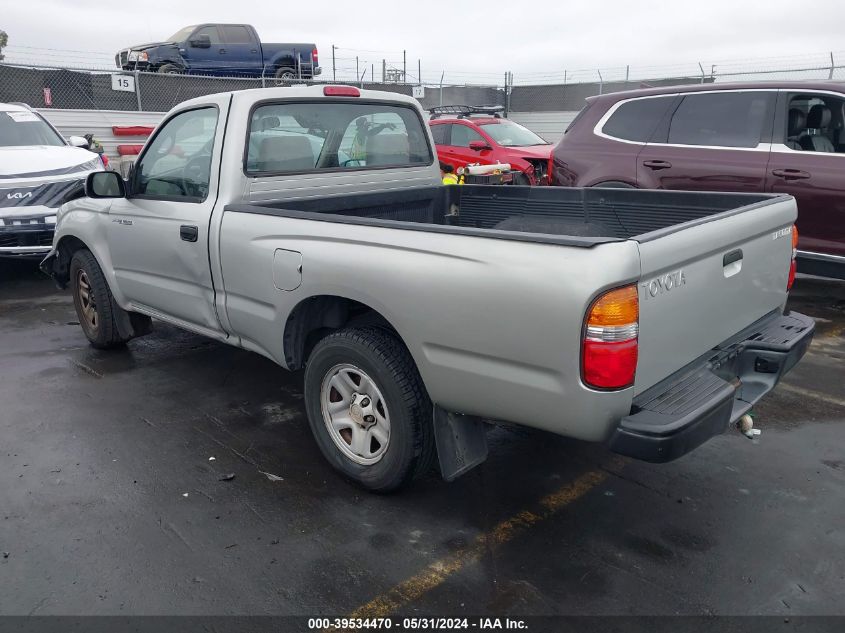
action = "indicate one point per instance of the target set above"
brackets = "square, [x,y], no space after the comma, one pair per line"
[317,91]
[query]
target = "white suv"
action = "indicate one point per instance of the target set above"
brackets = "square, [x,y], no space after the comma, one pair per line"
[39,171]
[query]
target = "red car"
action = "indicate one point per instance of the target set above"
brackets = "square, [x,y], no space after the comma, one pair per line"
[465,135]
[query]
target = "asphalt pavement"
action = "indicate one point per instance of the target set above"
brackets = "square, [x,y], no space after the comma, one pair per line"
[179,476]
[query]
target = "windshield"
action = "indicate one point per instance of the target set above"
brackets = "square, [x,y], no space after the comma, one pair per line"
[510,134]
[182,34]
[23,127]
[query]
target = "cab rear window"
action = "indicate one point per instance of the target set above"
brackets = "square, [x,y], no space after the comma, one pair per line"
[299,137]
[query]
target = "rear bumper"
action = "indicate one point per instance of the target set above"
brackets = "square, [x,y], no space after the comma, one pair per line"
[700,401]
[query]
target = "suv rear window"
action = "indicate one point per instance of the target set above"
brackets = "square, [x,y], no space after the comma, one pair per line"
[726,119]
[636,120]
[314,136]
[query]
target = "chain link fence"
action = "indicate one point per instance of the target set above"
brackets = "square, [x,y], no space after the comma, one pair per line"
[63,88]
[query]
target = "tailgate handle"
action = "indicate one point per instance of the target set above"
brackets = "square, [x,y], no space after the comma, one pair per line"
[733,256]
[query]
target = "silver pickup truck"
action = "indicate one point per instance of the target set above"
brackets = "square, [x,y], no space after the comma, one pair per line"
[309,225]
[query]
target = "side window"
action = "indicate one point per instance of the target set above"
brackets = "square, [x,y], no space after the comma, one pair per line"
[721,119]
[308,136]
[815,123]
[441,133]
[236,34]
[177,163]
[636,120]
[463,135]
[212,33]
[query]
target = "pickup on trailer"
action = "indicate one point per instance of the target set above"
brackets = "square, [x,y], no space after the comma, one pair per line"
[309,225]
[227,50]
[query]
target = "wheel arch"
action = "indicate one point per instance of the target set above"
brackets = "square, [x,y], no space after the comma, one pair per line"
[316,316]
[65,249]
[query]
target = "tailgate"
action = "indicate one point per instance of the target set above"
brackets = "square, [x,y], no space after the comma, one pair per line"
[703,282]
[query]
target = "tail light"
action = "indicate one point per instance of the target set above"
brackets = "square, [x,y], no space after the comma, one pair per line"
[341,91]
[551,169]
[793,265]
[314,57]
[609,348]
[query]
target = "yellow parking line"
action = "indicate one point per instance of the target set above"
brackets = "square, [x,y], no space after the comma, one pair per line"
[437,572]
[808,393]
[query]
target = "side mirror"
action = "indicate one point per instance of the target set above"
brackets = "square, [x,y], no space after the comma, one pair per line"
[200,41]
[105,184]
[478,146]
[78,141]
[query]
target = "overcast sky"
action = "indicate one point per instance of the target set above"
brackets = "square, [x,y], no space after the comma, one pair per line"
[459,37]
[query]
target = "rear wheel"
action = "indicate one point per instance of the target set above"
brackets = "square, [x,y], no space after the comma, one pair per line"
[93,301]
[284,75]
[368,408]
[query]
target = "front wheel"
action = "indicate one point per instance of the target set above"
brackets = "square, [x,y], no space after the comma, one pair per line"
[169,69]
[93,301]
[368,408]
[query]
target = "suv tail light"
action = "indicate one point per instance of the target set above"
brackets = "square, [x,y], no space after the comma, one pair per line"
[793,265]
[314,57]
[609,348]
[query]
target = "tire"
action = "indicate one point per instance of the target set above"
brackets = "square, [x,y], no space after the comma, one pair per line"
[93,301]
[284,75]
[389,387]
[169,69]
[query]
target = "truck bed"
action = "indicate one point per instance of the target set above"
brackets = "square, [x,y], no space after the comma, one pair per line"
[559,215]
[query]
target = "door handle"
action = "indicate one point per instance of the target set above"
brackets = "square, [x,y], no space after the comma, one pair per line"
[222,51]
[254,50]
[657,164]
[733,256]
[790,174]
[188,233]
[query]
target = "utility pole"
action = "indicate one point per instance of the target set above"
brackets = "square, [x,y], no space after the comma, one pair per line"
[383,70]
[405,68]
[334,69]
[357,72]
[419,72]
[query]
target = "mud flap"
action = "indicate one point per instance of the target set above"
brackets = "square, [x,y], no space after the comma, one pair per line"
[130,324]
[461,442]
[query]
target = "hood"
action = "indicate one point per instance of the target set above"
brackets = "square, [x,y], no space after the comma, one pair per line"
[43,162]
[531,151]
[141,47]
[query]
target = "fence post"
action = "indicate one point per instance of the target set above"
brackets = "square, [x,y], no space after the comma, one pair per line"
[442,74]
[627,72]
[334,69]
[701,68]
[601,82]
[138,89]
[832,65]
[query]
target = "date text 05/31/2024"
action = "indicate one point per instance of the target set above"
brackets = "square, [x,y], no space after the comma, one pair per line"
[412,624]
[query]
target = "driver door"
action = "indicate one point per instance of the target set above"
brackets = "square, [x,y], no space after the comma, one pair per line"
[158,234]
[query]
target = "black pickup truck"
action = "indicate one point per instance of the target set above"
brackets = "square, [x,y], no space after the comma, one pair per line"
[223,50]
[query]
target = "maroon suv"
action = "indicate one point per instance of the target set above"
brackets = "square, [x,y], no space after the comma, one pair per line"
[785,137]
